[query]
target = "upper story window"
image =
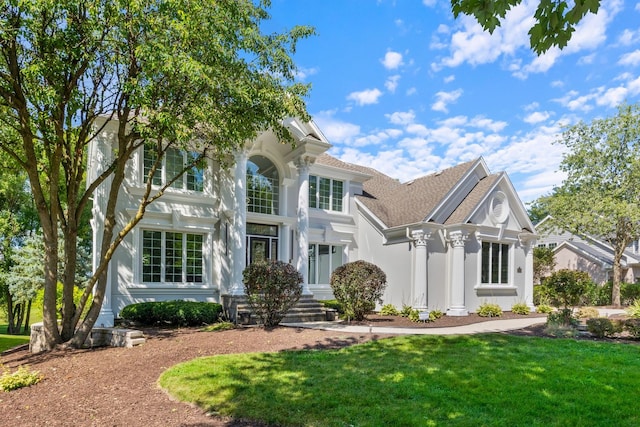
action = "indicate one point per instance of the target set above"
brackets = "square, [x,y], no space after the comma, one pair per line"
[495,263]
[262,186]
[173,162]
[325,193]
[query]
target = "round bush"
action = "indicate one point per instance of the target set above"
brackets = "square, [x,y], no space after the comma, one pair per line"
[358,286]
[175,313]
[272,289]
[566,287]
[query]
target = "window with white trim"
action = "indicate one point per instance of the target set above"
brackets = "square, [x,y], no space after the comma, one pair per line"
[495,263]
[325,193]
[169,257]
[263,181]
[173,162]
[323,259]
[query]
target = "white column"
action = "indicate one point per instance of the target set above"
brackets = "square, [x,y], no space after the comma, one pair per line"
[302,262]
[238,228]
[106,318]
[420,269]
[528,273]
[457,308]
[285,243]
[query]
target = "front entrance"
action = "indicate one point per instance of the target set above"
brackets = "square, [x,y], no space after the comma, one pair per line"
[262,242]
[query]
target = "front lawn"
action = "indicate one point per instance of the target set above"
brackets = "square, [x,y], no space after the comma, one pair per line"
[491,380]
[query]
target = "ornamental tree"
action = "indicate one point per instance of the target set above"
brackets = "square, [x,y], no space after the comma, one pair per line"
[600,195]
[555,21]
[198,75]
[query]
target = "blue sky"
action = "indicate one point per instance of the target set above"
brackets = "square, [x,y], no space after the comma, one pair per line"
[403,87]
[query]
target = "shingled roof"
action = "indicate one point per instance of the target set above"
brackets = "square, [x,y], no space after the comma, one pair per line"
[396,204]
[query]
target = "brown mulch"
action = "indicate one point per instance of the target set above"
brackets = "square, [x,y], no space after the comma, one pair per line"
[117,386]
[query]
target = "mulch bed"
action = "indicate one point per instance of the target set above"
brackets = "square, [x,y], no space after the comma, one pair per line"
[117,386]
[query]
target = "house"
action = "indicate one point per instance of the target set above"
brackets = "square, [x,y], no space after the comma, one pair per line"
[450,240]
[587,253]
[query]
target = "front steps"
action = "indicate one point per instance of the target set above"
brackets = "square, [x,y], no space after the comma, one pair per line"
[306,310]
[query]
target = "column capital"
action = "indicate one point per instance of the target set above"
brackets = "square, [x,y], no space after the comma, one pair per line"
[303,162]
[457,238]
[420,237]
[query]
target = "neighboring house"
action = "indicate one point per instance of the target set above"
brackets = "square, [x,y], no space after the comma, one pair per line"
[450,240]
[587,253]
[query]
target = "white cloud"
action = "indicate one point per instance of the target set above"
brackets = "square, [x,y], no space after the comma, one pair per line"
[302,73]
[612,97]
[365,97]
[376,138]
[587,59]
[488,124]
[336,131]
[628,37]
[537,117]
[631,58]
[392,60]
[449,78]
[429,3]
[401,117]
[411,91]
[445,98]
[392,83]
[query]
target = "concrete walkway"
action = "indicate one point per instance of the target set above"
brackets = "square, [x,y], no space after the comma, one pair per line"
[474,328]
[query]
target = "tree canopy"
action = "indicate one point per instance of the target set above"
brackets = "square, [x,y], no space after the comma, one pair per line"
[555,21]
[600,195]
[197,75]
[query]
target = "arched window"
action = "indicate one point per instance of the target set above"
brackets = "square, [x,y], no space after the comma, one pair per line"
[262,186]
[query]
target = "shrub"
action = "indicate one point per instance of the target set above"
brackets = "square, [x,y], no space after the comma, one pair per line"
[331,303]
[406,310]
[23,377]
[520,308]
[489,310]
[633,327]
[587,313]
[272,289]
[565,287]
[389,310]
[563,318]
[603,327]
[357,286]
[220,326]
[540,295]
[544,308]
[176,313]
[435,315]
[414,315]
[634,309]
[629,292]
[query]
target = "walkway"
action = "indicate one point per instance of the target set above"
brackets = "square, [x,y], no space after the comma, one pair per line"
[474,328]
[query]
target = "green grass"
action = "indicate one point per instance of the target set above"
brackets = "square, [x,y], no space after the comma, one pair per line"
[10,341]
[482,380]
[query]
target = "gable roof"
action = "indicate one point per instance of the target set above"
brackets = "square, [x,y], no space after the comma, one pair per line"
[396,204]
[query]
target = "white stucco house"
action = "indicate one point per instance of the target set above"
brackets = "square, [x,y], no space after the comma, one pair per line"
[450,240]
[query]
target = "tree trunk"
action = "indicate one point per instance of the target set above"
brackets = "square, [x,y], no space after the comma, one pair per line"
[27,318]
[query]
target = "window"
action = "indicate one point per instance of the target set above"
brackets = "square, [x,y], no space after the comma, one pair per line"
[262,186]
[325,193]
[552,245]
[323,259]
[173,162]
[171,257]
[495,263]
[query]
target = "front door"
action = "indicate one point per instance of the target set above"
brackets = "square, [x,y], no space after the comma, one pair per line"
[262,243]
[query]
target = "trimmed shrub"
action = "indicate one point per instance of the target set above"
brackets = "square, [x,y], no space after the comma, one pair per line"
[358,286]
[435,315]
[566,287]
[489,310]
[633,327]
[563,317]
[22,377]
[587,313]
[603,327]
[544,308]
[174,313]
[389,310]
[334,304]
[520,308]
[272,289]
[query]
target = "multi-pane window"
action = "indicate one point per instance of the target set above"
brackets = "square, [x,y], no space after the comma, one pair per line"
[262,186]
[325,193]
[495,263]
[323,259]
[171,257]
[173,162]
